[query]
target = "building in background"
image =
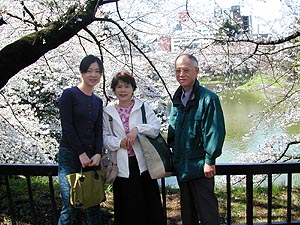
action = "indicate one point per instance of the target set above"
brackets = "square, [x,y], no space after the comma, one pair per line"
[246,25]
[244,22]
[165,43]
[191,33]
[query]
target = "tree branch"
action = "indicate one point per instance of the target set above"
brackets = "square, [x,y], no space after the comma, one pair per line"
[287,147]
[31,47]
[137,47]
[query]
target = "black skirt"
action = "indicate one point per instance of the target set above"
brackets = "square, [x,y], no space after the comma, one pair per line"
[137,199]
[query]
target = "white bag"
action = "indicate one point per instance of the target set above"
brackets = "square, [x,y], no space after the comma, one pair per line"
[158,156]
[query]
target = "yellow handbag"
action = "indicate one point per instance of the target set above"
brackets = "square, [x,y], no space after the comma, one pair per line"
[87,188]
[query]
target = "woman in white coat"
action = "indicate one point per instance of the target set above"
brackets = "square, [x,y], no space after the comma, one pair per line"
[136,196]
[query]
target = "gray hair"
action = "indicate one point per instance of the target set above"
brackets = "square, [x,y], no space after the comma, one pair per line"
[191,57]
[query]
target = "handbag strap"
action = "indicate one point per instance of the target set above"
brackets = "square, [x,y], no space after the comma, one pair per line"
[96,175]
[110,119]
[144,114]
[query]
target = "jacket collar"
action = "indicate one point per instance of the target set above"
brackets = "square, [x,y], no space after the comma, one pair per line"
[110,109]
[193,99]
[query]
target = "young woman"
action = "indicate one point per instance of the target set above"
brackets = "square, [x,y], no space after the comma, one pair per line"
[82,140]
[136,196]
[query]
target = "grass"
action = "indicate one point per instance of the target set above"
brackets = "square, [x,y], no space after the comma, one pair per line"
[259,81]
[260,197]
[238,203]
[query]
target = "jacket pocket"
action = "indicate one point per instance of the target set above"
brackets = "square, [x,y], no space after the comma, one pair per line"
[195,134]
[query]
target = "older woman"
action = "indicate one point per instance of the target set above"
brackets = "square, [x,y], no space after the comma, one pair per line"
[136,196]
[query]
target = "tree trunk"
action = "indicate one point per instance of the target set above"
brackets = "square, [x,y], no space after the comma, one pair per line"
[28,49]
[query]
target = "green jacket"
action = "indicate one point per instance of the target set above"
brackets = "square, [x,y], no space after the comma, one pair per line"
[196,132]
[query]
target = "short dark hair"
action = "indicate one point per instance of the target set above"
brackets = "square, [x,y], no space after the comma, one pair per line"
[87,61]
[124,76]
[191,57]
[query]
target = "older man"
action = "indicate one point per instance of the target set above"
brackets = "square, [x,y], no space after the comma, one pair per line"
[196,134]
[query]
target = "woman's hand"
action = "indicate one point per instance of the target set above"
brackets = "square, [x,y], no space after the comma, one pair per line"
[127,142]
[131,136]
[84,160]
[123,143]
[95,160]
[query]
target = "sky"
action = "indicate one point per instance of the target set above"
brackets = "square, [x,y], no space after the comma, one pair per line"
[267,15]
[267,9]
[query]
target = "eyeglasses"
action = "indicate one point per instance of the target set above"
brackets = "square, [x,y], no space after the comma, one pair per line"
[184,70]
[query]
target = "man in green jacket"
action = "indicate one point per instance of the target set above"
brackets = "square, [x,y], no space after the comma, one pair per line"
[196,134]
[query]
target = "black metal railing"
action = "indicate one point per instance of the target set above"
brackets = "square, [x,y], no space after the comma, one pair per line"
[228,170]
[249,170]
[43,170]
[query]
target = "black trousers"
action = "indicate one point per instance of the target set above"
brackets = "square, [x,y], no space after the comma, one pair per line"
[137,199]
[199,204]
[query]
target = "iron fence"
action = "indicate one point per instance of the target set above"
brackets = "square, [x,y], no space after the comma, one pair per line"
[227,170]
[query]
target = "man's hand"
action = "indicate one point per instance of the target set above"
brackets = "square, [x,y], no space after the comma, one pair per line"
[209,170]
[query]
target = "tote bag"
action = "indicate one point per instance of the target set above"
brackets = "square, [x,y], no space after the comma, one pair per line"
[87,188]
[158,155]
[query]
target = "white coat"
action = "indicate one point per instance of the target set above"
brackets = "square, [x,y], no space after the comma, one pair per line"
[112,140]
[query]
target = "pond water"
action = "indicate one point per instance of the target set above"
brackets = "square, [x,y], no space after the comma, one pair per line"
[238,124]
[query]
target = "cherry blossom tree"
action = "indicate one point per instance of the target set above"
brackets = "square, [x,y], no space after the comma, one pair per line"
[42,43]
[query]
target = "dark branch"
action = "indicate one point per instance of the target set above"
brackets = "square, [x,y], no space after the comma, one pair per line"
[28,49]
[2,21]
[287,147]
[137,47]
[30,14]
